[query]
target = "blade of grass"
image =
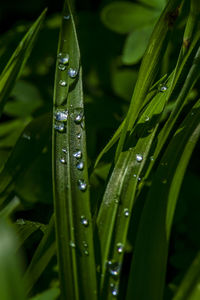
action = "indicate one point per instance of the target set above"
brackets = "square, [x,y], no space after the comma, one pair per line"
[190,282]
[16,63]
[74,232]
[148,267]
[149,67]
[121,190]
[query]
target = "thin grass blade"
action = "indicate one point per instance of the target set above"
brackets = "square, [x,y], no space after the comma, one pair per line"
[74,232]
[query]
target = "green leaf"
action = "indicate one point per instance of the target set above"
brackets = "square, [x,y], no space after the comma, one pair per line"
[16,63]
[28,146]
[74,232]
[148,268]
[189,287]
[123,17]
[11,284]
[135,45]
[51,294]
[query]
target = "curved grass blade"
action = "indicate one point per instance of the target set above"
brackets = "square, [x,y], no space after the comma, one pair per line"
[148,268]
[28,146]
[121,190]
[42,256]
[74,233]
[189,287]
[149,67]
[16,63]
[11,284]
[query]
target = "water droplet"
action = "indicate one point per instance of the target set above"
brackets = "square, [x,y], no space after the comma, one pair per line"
[20,222]
[82,185]
[61,67]
[62,160]
[84,221]
[151,158]
[126,212]
[61,115]
[79,135]
[80,166]
[120,247]
[72,73]
[63,58]
[114,290]
[63,83]
[77,154]
[26,136]
[139,157]
[72,244]
[59,127]
[85,244]
[146,119]
[114,268]
[66,17]
[163,88]
[134,175]
[139,179]
[86,252]
[64,150]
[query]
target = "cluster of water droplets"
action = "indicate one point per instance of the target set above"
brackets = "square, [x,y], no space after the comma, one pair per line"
[63,61]
[114,289]
[114,268]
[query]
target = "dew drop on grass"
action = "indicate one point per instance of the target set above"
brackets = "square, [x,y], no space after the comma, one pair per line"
[72,73]
[59,127]
[146,119]
[126,212]
[61,67]
[61,115]
[80,166]
[85,244]
[114,268]
[62,160]
[139,179]
[66,17]
[134,175]
[78,135]
[64,150]
[86,252]
[78,115]
[84,221]
[139,157]
[151,158]
[163,88]
[82,185]
[20,222]
[77,154]
[26,136]
[63,83]
[63,58]
[72,244]
[114,290]
[120,248]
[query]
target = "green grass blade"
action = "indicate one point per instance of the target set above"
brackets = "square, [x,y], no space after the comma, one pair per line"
[74,230]
[42,256]
[50,294]
[16,63]
[122,188]
[150,256]
[149,67]
[11,284]
[189,287]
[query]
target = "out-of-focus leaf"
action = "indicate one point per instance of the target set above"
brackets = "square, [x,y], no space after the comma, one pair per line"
[158,4]
[16,63]
[123,17]
[51,294]
[25,100]
[11,284]
[135,45]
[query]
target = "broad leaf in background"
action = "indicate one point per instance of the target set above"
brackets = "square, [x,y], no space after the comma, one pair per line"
[16,63]
[11,284]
